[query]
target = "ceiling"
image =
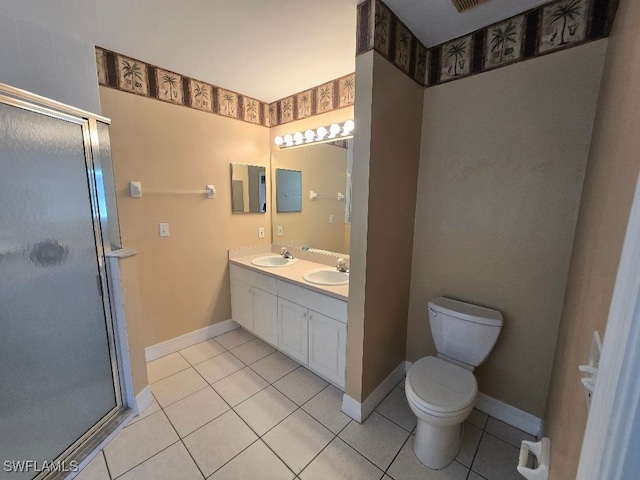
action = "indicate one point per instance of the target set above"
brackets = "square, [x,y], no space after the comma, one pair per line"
[436,21]
[266,49]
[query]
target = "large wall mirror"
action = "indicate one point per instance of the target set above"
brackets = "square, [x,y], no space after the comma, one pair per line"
[322,223]
[248,188]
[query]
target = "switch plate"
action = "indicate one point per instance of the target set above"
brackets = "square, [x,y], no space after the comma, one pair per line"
[164,229]
[261,232]
[280,231]
[330,218]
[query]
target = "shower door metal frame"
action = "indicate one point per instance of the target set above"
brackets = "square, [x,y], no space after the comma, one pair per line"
[96,435]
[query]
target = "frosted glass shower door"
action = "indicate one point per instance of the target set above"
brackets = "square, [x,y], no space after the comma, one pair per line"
[56,375]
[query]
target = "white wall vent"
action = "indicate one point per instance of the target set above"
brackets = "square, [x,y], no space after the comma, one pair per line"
[463,5]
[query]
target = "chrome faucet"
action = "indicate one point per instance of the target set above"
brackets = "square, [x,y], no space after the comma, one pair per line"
[342,265]
[285,253]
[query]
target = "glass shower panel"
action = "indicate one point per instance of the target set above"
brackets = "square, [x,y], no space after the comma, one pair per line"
[56,378]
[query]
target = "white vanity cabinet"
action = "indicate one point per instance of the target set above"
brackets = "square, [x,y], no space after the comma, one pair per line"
[293,330]
[327,347]
[307,325]
[254,303]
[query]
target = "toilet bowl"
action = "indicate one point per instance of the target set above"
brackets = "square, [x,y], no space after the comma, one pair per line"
[441,395]
[441,391]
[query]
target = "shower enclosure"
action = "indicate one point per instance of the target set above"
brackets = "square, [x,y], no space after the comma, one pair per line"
[60,377]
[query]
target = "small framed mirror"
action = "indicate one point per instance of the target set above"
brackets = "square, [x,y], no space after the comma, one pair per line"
[248,188]
[288,190]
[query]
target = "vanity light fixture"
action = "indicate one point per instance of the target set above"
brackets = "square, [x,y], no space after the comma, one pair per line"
[321,134]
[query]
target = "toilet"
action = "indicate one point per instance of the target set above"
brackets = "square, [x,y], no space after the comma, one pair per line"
[442,390]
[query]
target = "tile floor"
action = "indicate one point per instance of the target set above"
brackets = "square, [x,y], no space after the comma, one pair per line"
[234,408]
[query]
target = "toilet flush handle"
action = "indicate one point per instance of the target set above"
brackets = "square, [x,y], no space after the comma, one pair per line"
[433,312]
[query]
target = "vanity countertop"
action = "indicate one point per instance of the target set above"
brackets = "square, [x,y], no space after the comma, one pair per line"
[293,274]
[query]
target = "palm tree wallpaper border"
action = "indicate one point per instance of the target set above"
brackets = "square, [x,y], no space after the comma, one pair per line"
[504,43]
[455,58]
[564,23]
[132,76]
[169,86]
[553,26]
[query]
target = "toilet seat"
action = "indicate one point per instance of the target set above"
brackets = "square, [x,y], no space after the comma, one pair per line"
[440,388]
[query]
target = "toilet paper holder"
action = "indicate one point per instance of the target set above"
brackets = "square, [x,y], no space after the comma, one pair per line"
[542,451]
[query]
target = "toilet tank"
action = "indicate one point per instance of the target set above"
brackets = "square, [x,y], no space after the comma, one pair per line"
[462,331]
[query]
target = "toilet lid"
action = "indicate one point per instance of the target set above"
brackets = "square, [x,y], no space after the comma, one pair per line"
[441,386]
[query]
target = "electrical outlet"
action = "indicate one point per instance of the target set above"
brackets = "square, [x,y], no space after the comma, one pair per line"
[164,229]
[261,232]
[330,218]
[280,231]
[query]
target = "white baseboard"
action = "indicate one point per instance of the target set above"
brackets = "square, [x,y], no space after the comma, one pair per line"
[188,339]
[360,411]
[508,414]
[144,400]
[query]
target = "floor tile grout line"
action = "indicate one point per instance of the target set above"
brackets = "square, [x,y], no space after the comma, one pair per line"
[393,421]
[355,449]
[192,393]
[104,458]
[224,350]
[208,358]
[335,435]
[229,410]
[298,407]
[146,459]
[255,433]
[180,439]
[386,471]
[265,379]
[171,375]
[235,346]
[475,454]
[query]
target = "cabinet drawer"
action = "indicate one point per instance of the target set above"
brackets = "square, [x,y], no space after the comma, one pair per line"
[255,279]
[332,307]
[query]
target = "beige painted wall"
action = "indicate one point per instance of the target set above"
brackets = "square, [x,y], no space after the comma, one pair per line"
[396,124]
[501,170]
[384,173]
[184,280]
[359,224]
[612,171]
[323,170]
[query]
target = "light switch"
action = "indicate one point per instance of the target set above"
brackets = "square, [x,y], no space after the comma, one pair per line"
[280,232]
[330,218]
[261,232]
[164,229]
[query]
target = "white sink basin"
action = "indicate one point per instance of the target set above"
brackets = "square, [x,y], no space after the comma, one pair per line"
[326,276]
[273,261]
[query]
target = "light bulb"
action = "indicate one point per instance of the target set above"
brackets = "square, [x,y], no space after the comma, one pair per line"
[288,140]
[298,137]
[334,130]
[322,132]
[347,128]
[278,140]
[309,136]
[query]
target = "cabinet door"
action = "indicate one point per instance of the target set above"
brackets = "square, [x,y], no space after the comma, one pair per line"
[265,314]
[328,347]
[293,330]
[242,304]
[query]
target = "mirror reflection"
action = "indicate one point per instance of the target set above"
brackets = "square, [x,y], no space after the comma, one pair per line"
[248,188]
[322,223]
[288,190]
